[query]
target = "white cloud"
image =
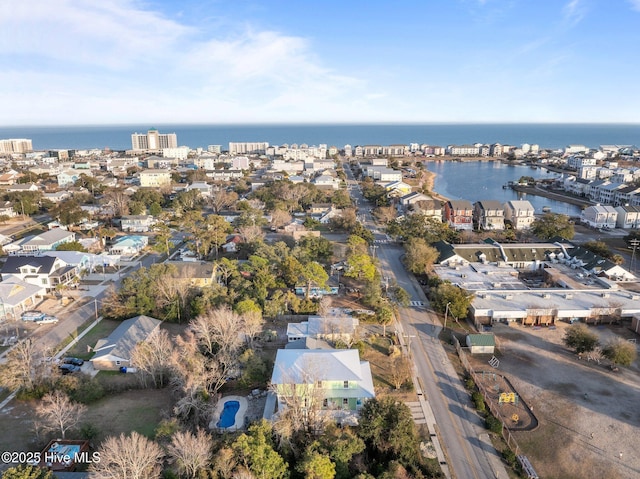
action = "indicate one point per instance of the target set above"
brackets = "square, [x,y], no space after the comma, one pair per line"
[635,4]
[574,11]
[115,61]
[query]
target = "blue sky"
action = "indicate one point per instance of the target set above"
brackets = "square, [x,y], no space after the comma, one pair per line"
[287,61]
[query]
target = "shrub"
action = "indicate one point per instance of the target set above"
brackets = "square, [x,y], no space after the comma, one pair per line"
[510,457]
[89,431]
[493,424]
[469,384]
[360,346]
[478,400]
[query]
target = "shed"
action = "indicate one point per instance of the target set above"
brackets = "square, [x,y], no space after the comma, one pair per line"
[481,343]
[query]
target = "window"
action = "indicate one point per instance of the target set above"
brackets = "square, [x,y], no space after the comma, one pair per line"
[117,363]
[345,401]
[325,403]
[346,385]
[319,384]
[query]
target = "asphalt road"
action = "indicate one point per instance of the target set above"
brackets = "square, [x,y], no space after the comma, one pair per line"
[459,427]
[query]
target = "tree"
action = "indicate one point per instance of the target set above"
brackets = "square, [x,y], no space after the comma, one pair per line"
[155,209]
[128,457]
[580,338]
[313,273]
[457,299]
[24,368]
[621,352]
[71,246]
[419,256]
[551,225]
[27,472]
[341,444]
[315,465]
[384,316]
[400,372]
[58,413]
[191,453]
[163,238]
[256,452]
[387,427]
[152,357]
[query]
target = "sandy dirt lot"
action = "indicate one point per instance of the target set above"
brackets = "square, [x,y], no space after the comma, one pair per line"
[589,420]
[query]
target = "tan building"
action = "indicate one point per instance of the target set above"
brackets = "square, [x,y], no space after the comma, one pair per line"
[155,178]
[153,141]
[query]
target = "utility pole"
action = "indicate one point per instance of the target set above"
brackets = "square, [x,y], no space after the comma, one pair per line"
[446,311]
[634,242]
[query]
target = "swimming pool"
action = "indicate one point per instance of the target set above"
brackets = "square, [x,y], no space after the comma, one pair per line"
[228,414]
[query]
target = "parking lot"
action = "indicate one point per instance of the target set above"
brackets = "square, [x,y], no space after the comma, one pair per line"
[588,416]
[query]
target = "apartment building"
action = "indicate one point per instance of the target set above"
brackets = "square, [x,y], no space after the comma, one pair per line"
[16,145]
[155,178]
[152,140]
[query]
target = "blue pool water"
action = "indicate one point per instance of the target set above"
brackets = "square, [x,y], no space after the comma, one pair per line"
[228,416]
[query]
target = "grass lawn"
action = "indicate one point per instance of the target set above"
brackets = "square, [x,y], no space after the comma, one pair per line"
[101,330]
[136,410]
[382,364]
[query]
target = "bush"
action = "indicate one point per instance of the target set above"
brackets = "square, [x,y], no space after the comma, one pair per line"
[478,400]
[469,384]
[37,392]
[87,391]
[89,431]
[493,424]
[510,457]
[360,346]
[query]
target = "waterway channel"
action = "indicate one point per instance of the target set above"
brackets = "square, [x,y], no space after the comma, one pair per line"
[484,180]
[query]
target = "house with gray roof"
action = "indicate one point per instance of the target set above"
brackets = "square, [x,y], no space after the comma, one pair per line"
[488,215]
[114,352]
[47,241]
[42,271]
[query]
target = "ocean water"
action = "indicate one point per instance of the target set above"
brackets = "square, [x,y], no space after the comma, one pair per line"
[546,135]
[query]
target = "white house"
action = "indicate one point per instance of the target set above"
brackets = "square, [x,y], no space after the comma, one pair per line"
[628,216]
[519,213]
[599,216]
[336,377]
[47,241]
[129,245]
[137,223]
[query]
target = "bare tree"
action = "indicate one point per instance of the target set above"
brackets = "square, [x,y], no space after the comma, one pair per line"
[59,413]
[190,452]
[251,324]
[197,375]
[250,233]
[279,218]
[174,288]
[24,367]
[128,457]
[222,199]
[225,462]
[324,306]
[118,200]
[400,372]
[303,400]
[153,358]
[218,330]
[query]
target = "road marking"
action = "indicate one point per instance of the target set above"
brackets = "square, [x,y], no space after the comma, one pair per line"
[417,303]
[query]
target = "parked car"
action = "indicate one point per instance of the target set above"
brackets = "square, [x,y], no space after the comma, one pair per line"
[46,319]
[68,368]
[32,315]
[74,361]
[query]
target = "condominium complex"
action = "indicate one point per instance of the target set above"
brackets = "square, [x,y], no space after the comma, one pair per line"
[153,141]
[248,148]
[16,145]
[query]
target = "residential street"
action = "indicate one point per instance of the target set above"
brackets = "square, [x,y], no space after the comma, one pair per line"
[461,432]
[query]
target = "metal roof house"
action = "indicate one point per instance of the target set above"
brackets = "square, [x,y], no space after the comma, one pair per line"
[114,352]
[337,377]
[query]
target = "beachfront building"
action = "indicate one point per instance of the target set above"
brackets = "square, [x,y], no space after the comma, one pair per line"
[152,140]
[16,145]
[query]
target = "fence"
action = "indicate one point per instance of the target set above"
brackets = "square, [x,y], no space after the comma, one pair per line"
[493,407]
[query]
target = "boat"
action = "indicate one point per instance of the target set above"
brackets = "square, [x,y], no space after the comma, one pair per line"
[546,209]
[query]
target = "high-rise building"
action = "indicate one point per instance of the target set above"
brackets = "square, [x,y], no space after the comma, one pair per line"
[153,141]
[16,145]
